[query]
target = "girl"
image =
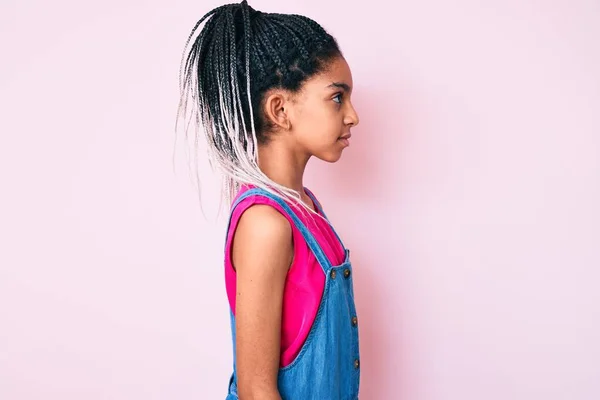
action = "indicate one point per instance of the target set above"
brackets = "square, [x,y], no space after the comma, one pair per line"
[272,91]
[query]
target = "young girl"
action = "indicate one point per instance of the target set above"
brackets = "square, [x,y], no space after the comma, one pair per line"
[272,91]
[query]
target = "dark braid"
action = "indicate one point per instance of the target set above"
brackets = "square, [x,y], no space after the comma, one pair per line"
[293,36]
[294,73]
[239,54]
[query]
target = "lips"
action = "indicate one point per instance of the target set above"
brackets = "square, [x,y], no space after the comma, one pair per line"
[345,139]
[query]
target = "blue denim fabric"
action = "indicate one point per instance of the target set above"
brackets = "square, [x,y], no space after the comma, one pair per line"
[328,365]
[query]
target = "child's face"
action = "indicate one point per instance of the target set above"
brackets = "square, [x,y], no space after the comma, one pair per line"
[323,114]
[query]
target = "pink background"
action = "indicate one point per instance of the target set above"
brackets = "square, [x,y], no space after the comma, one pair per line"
[470,198]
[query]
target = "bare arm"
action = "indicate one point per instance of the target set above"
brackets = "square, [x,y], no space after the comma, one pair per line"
[262,254]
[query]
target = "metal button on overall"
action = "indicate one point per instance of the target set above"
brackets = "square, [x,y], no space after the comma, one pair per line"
[333,274]
[346,273]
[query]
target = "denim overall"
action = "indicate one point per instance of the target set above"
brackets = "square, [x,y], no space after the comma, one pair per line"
[328,365]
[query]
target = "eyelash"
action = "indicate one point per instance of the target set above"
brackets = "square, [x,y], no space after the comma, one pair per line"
[340,95]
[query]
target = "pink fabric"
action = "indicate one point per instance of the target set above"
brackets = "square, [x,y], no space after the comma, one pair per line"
[305,279]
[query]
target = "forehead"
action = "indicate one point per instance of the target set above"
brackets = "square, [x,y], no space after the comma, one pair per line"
[338,71]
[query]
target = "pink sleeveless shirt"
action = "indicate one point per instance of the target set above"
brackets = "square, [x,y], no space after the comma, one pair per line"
[305,280]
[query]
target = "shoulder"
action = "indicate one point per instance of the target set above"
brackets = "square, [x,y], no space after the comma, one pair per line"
[263,221]
[262,239]
[262,244]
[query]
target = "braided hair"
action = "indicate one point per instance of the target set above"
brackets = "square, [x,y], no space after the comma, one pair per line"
[239,54]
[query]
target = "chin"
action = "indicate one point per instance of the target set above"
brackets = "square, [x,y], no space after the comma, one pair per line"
[330,157]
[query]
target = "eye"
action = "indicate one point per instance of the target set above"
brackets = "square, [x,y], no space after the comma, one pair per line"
[338,96]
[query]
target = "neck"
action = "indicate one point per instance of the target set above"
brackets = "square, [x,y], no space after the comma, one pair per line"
[282,165]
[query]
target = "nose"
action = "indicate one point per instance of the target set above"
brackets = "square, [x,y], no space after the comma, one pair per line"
[352,117]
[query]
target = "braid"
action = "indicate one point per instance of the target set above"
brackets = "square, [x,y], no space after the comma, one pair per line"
[310,25]
[263,38]
[187,42]
[258,56]
[233,73]
[253,143]
[293,36]
[238,55]
[269,29]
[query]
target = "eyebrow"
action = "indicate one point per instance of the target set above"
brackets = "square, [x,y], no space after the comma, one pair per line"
[341,85]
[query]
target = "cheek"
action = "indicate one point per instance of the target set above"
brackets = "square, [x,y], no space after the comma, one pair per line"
[323,119]
[318,126]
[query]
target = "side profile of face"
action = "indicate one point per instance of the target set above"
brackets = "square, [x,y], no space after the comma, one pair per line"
[317,119]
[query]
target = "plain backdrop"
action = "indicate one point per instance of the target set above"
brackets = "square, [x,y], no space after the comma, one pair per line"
[469,197]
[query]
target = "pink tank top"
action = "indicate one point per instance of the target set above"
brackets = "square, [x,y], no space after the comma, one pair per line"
[305,279]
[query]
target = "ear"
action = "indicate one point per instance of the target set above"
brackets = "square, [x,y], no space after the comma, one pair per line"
[276,105]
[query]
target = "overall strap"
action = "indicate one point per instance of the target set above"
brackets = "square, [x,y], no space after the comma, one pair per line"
[308,236]
[314,199]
